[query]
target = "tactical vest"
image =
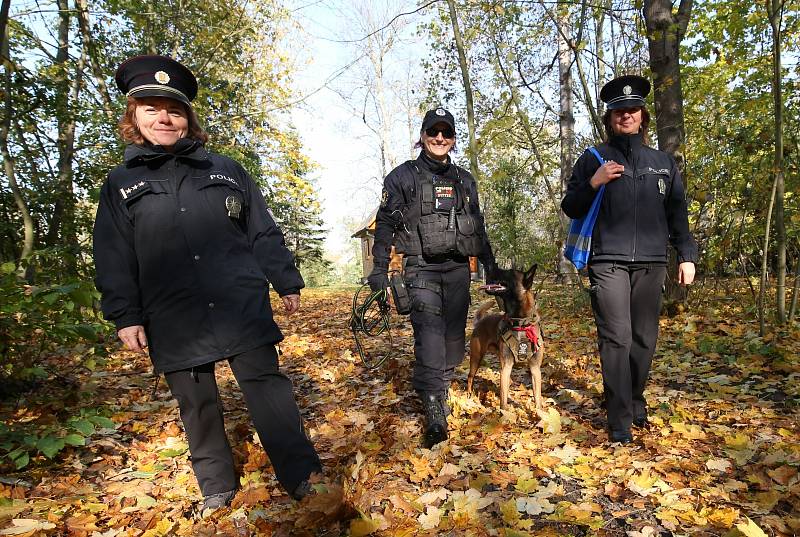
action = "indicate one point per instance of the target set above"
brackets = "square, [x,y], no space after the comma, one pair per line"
[433,232]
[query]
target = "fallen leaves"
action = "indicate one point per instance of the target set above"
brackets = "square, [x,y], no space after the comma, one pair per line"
[721,458]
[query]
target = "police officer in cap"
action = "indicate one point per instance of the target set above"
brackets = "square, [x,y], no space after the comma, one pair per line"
[429,211]
[185,250]
[643,210]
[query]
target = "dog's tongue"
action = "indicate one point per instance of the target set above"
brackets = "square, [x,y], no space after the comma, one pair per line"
[492,288]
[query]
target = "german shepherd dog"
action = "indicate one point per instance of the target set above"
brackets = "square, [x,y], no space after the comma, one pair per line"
[517,326]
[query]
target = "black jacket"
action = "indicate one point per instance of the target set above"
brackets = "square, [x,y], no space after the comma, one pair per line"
[393,225]
[169,256]
[641,210]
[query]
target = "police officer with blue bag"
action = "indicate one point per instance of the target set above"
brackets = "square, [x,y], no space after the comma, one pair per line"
[430,212]
[642,210]
[185,250]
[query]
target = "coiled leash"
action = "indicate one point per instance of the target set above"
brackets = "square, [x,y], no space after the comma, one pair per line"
[370,318]
[370,314]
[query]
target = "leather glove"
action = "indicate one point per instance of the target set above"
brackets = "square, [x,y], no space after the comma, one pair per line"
[492,272]
[378,279]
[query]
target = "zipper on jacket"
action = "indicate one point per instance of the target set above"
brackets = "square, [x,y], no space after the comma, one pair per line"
[633,163]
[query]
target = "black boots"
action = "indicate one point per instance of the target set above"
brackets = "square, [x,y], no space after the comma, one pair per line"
[434,405]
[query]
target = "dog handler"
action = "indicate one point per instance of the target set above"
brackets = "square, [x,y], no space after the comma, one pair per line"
[185,250]
[643,208]
[429,211]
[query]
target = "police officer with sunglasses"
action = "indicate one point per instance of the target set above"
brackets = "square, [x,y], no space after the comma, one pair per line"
[430,213]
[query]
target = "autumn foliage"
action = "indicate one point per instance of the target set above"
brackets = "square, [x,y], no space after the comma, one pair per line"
[721,458]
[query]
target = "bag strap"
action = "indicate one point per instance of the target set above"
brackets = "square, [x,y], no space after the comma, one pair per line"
[593,150]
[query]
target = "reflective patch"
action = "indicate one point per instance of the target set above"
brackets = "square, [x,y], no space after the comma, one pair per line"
[131,189]
[384,198]
[221,177]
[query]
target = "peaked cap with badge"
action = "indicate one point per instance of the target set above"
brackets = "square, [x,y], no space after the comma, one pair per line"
[156,76]
[438,115]
[625,92]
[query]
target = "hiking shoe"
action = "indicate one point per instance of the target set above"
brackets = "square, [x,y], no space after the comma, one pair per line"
[623,437]
[302,490]
[212,502]
[435,419]
[641,423]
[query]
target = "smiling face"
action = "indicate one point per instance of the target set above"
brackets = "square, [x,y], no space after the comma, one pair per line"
[437,147]
[161,121]
[626,120]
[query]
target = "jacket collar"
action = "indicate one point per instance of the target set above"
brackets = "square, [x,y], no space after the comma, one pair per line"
[627,143]
[434,166]
[185,149]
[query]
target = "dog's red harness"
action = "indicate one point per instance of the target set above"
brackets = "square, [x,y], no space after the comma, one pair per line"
[532,333]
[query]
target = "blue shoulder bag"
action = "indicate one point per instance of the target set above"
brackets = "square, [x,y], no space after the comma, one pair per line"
[579,240]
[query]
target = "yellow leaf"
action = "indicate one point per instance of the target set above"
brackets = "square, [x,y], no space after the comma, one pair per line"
[431,518]
[720,465]
[750,529]
[509,512]
[691,431]
[721,518]
[363,526]
[550,422]
[642,484]
[26,525]
[526,486]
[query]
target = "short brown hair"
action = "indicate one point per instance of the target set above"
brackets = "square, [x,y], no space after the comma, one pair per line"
[644,127]
[130,132]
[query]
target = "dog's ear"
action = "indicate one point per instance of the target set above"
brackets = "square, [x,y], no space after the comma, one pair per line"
[527,279]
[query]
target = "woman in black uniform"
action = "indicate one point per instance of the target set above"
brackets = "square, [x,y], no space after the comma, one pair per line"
[430,213]
[642,210]
[185,250]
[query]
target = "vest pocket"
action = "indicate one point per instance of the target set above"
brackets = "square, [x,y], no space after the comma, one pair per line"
[468,242]
[436,239]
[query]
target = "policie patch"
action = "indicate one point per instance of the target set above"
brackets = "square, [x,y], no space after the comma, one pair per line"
[234,206]
[384,198]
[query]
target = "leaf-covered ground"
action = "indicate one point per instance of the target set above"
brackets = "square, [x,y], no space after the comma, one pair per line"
[722,457]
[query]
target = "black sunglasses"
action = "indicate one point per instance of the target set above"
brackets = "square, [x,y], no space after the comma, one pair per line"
[447,132]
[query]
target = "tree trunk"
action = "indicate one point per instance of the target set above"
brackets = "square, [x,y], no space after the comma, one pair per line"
[462,61]
[8,159]
[665,31]
[765,255]
[62,225]
[4,8]
[775,11]
[566,124]
[92,53]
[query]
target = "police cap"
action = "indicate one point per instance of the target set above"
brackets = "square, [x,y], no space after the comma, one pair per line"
[438,115]
[156,76]
[625,92]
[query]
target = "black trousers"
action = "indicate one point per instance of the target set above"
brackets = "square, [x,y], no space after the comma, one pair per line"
[270,401]
[626,299]
[439,319]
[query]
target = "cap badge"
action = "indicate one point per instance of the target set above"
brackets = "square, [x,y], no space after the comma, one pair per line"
[162,77]
[440,112]
[627,90]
